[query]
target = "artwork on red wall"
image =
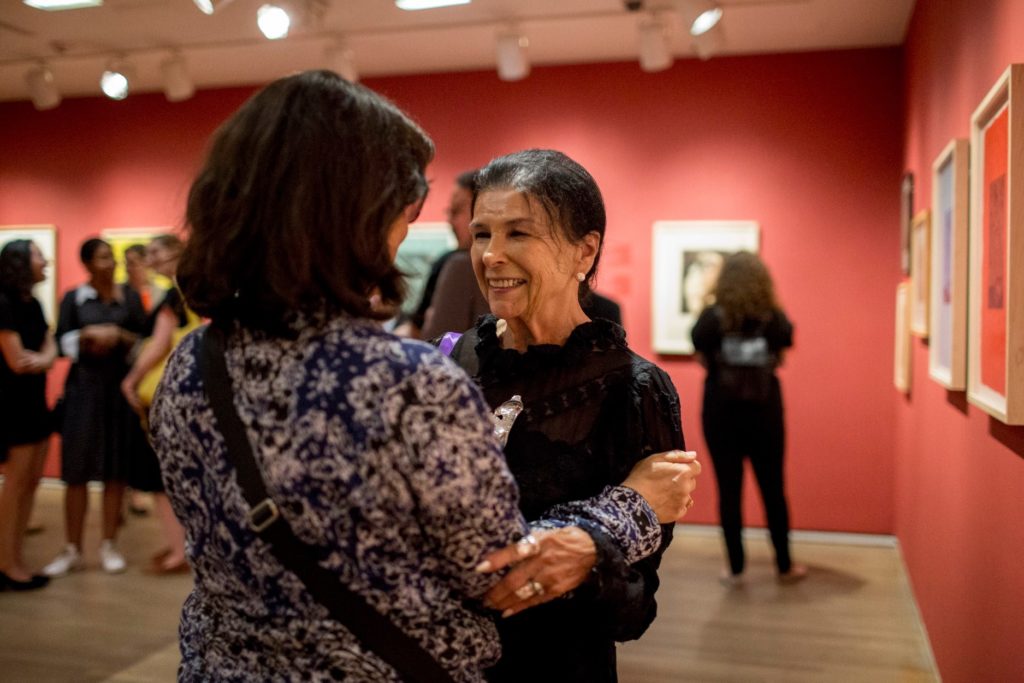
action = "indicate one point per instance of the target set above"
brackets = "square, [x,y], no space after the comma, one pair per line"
[947,357]
[906,216]
[687,258]
[901,360]
[996,273]
[44,237]
[920,272]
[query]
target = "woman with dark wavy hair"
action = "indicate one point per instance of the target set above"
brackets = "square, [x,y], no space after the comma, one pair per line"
[27,351]
[741,337]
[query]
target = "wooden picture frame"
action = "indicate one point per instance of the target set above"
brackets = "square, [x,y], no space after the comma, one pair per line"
[45,237]
[901,347]
[920,273]
[687,256]
[947,353]
[906,216]
[995,367]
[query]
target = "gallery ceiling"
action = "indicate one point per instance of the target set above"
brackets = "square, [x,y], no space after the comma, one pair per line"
[227,48]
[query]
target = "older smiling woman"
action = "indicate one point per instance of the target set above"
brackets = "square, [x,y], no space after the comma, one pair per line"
[589,410]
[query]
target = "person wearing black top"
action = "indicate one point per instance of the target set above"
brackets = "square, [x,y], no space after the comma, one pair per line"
[99,324]
[741,339]
[27,351]
[458,218]
[590,410]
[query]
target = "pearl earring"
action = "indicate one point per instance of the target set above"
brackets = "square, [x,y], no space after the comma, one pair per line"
[580,277]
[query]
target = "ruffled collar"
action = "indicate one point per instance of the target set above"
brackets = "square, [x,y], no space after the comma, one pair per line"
[596,335]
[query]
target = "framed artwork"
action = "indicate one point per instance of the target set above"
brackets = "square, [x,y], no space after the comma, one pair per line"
[947,356]
[920,272]
[122,238]
[995,364]
[45,237]
[424,244]
[906,215]
[687,258]
[902,360]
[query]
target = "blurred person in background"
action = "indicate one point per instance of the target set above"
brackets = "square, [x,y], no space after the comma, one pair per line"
[27,351]
[99,324]
[741,337]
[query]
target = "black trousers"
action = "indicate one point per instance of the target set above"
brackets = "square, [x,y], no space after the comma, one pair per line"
[735,431]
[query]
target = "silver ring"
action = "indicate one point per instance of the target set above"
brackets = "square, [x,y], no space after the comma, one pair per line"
[536,586]
[525,592]
[527,546]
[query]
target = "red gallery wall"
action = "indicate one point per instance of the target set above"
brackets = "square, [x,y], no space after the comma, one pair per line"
[960,474]
[808,145]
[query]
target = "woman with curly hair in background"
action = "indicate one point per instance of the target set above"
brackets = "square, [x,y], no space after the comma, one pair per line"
[741,336]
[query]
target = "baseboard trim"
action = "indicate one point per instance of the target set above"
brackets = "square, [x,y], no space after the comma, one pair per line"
[802,536]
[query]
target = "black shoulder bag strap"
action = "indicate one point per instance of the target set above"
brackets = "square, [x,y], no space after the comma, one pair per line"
[373,629]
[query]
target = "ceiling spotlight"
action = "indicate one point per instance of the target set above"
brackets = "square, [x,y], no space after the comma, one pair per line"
[708,44]
[655,54]
[56,5]
[341,59]
[428,4]
[115,80]
[273,21]
[211,6]
[178,84]
[513,64]
[41,88]
[700,15]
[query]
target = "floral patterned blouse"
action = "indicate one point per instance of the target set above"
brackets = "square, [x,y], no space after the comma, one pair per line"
[378,452]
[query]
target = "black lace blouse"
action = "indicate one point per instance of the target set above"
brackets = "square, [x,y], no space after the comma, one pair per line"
[591,409]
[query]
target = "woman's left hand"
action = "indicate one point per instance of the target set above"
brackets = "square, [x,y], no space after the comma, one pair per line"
[555,562]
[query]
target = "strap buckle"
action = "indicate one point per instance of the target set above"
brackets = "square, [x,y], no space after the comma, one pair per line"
[263,515]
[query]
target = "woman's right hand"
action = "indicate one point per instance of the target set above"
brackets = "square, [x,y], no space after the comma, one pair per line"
[129,388]
[99,339]
[666,480]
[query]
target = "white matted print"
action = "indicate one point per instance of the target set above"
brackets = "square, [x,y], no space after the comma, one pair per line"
[947,353]
[688,256]
[45,237]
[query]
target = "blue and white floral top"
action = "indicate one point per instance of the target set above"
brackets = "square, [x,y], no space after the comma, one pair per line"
[379,452]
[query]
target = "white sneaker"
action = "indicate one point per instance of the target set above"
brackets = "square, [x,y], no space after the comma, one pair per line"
[111,560]
[68,560]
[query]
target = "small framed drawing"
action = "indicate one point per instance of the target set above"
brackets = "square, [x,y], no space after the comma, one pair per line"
[45,237]
[995,346]
[920,272]
[416,255]
[901,364]
[687,258]
[947,354]
[906,215]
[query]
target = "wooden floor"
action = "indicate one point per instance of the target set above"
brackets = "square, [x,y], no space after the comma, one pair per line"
[853,619]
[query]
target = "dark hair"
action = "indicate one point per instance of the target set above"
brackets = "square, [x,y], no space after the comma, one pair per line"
[290,212]
[565,190]
[89,249]
[467,179]
[137,249]
[16,269]
[744,289]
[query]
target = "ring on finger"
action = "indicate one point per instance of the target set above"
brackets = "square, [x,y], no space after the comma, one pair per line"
[527,546]
[536,587]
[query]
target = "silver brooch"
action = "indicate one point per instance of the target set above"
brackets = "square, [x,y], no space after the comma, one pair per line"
[505,416]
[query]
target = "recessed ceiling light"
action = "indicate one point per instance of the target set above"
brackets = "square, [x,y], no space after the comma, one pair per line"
[54,5]
[428,4]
